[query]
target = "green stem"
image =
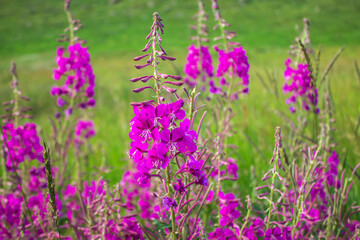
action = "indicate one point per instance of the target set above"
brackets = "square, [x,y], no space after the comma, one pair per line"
[155,63]
[168,179]
[173,233]
[199,22]
[71,27]
[272,190]
[299,207]
[246,221]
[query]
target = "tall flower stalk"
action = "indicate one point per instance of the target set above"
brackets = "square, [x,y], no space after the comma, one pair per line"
[77,93]
[164,146]
[233,63]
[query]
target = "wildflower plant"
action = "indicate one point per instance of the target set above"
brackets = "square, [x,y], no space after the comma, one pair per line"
[72,125]
[23,203]
[164,144]
[199,64]
[178,183]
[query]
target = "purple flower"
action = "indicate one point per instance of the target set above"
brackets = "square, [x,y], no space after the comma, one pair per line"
[332,173]
[169,203]
[93,191]
[194,59]
[274,233]
[298,82]
[61,102]
[179,186]
[77,69]
[142,177]
[83,131]
[228,212]
[191,66]
[232,169]
[171,138]
[223,234]
[235,63]
[24,144]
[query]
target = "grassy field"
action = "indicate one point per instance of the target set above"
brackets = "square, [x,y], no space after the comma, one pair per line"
[116,32]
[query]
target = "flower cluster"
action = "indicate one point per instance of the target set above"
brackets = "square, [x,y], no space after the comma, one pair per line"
[80,79]
[228,212]
[298,82]
[83,131]
[236,64]
[174,186]
[233,61]
[195,58]
[158,134]
[13,209]
[23,143]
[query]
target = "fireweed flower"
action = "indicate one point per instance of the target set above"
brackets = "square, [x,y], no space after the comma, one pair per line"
[83,131]
[162,139]
[228,212]
[169,203]
[71,204]
[159,131]
[158,134]
[235,64]
[135,196]
[298,83]
[233,61]
[24,144]
[198,58]
[79,78]
[223,234]
[276,233]
[10,211]
[199,67]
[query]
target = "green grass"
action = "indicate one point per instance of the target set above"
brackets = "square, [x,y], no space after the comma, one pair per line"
[116,33]
[33,26]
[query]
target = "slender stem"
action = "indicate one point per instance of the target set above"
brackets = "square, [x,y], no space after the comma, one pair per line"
[16,111]
[201,205]
[155,62]
[168,179]
[199,22]
[173,224]
[71,27]
[246,221]
[272,190]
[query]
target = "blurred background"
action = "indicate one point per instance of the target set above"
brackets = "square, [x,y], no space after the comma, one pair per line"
[115,31]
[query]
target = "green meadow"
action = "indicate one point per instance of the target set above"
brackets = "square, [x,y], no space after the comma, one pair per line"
[115,32]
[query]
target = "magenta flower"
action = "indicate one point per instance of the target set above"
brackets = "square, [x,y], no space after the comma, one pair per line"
[298,83]
[223,234]
[24,144]
[195,58]
[83,131]
[93,191]
[80,79]
[169,203]
[228,212]
[179,186]
[235,63]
